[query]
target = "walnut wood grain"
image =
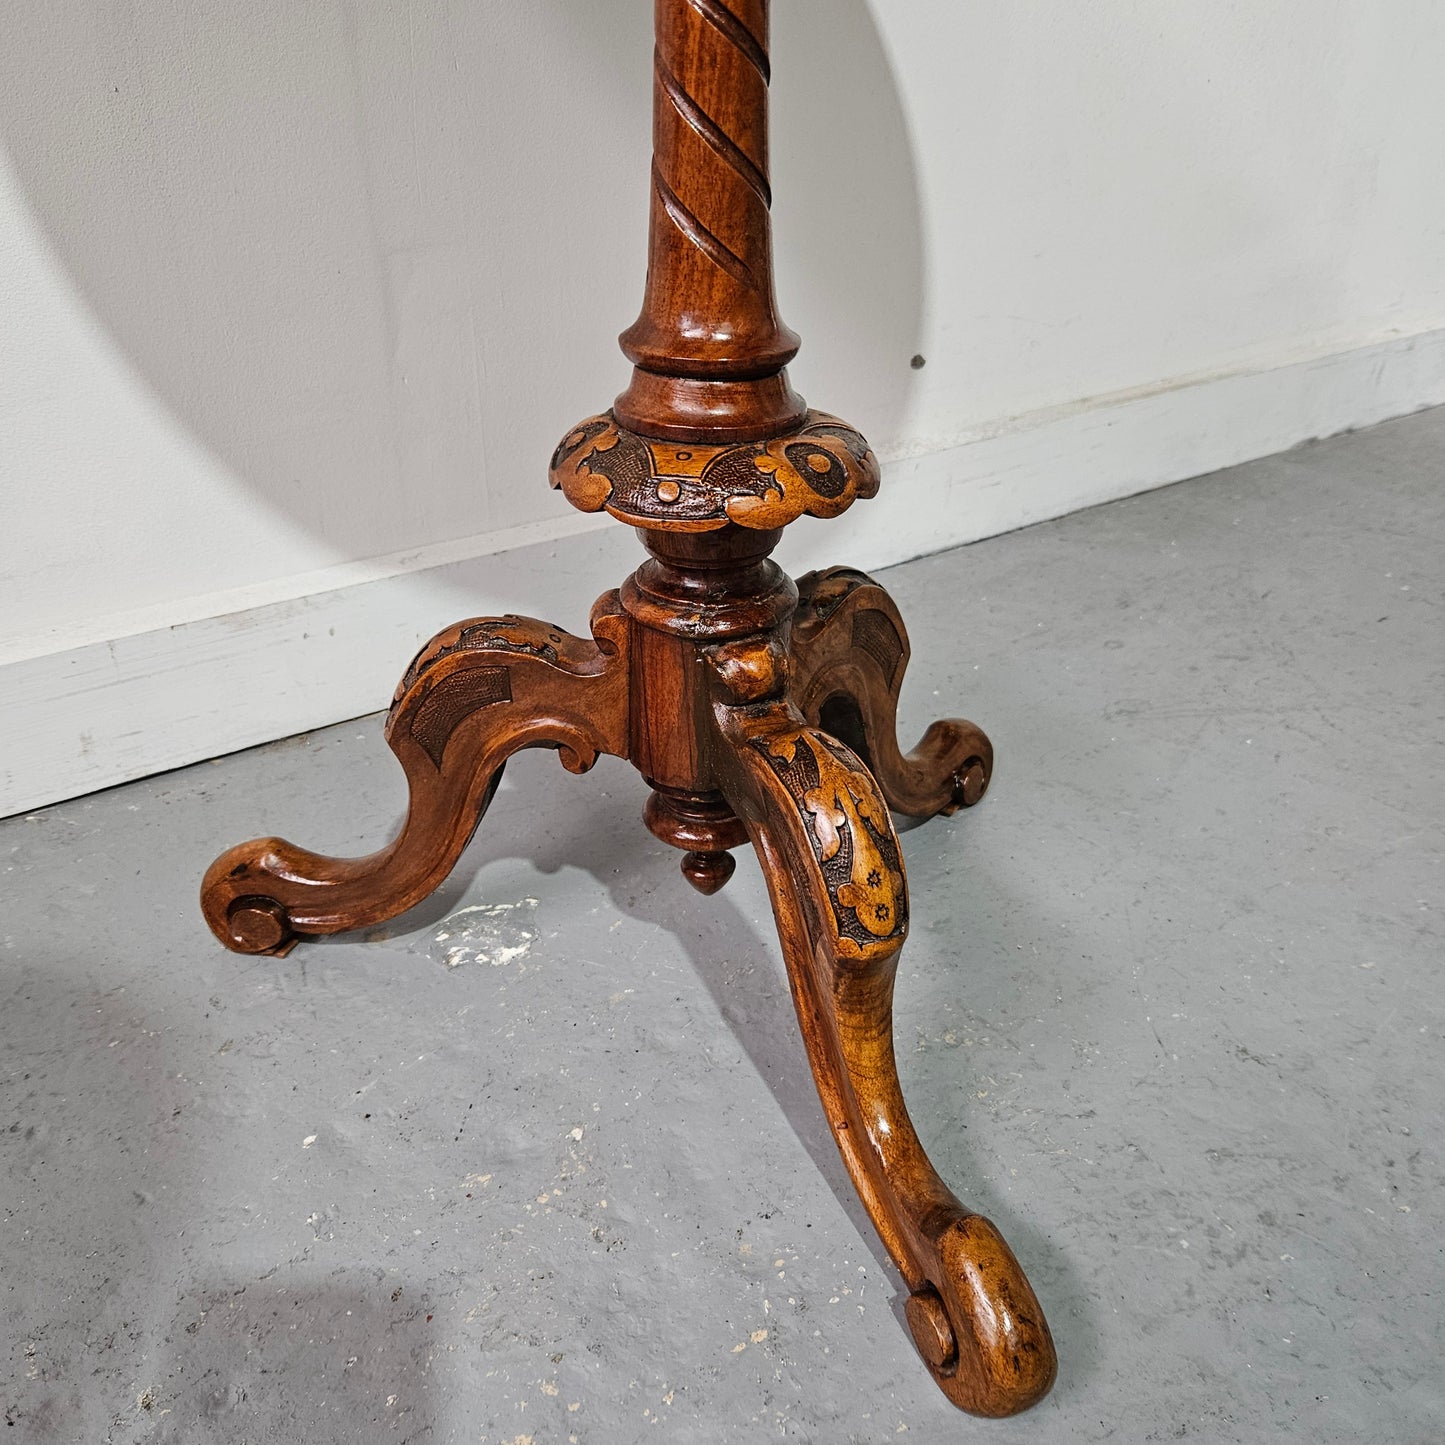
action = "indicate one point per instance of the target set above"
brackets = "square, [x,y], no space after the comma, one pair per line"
[708,347]
[835,873]
[850,651]
[474,695]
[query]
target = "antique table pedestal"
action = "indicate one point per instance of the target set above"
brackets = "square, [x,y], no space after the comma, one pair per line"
[758,710]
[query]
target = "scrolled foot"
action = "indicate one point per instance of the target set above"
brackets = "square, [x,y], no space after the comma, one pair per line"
[980,1302]
[476,694]
[850,651]
[970,782]
[258,925]
[834,869]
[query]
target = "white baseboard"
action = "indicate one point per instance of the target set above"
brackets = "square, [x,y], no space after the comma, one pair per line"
[81,718]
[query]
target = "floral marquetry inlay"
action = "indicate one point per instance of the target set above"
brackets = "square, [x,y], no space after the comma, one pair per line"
[849,831]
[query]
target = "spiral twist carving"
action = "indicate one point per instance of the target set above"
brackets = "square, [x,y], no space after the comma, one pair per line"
[708,315]
[731,180]
[718,15]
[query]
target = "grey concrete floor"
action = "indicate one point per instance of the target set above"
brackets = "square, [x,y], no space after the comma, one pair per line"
[542,1160]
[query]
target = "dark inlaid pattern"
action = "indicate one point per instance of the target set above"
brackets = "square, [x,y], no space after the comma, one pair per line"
[819,470]
[849,831]
[487,634]
[875,634]
[454,699]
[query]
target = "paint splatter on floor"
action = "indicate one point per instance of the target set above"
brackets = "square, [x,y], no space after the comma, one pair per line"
[494,933]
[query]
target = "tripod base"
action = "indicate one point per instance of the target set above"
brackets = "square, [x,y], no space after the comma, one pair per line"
[758,712]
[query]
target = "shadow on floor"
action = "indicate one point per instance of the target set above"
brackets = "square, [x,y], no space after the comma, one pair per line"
[741,969]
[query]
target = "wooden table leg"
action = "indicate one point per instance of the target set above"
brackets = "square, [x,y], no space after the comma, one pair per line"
[850,651]
[472,697]
[834,869]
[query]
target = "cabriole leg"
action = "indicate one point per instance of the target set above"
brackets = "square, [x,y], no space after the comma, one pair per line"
[474,695]
[835,872]
[850,651]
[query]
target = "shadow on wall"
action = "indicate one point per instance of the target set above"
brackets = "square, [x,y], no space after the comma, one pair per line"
[375,257]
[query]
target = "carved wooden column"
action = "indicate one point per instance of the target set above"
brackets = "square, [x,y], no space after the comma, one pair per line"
[708,347]
[758,710]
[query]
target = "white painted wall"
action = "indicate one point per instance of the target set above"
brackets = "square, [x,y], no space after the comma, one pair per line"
[297,298]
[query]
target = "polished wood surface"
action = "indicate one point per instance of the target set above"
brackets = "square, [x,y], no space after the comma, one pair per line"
[758,710]
[818,469]
[708,347]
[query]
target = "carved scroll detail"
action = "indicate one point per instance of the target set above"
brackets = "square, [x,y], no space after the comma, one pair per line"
[819,471]
[849,653]
[823,593]
[474,695]
[453,698]
[491,634]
